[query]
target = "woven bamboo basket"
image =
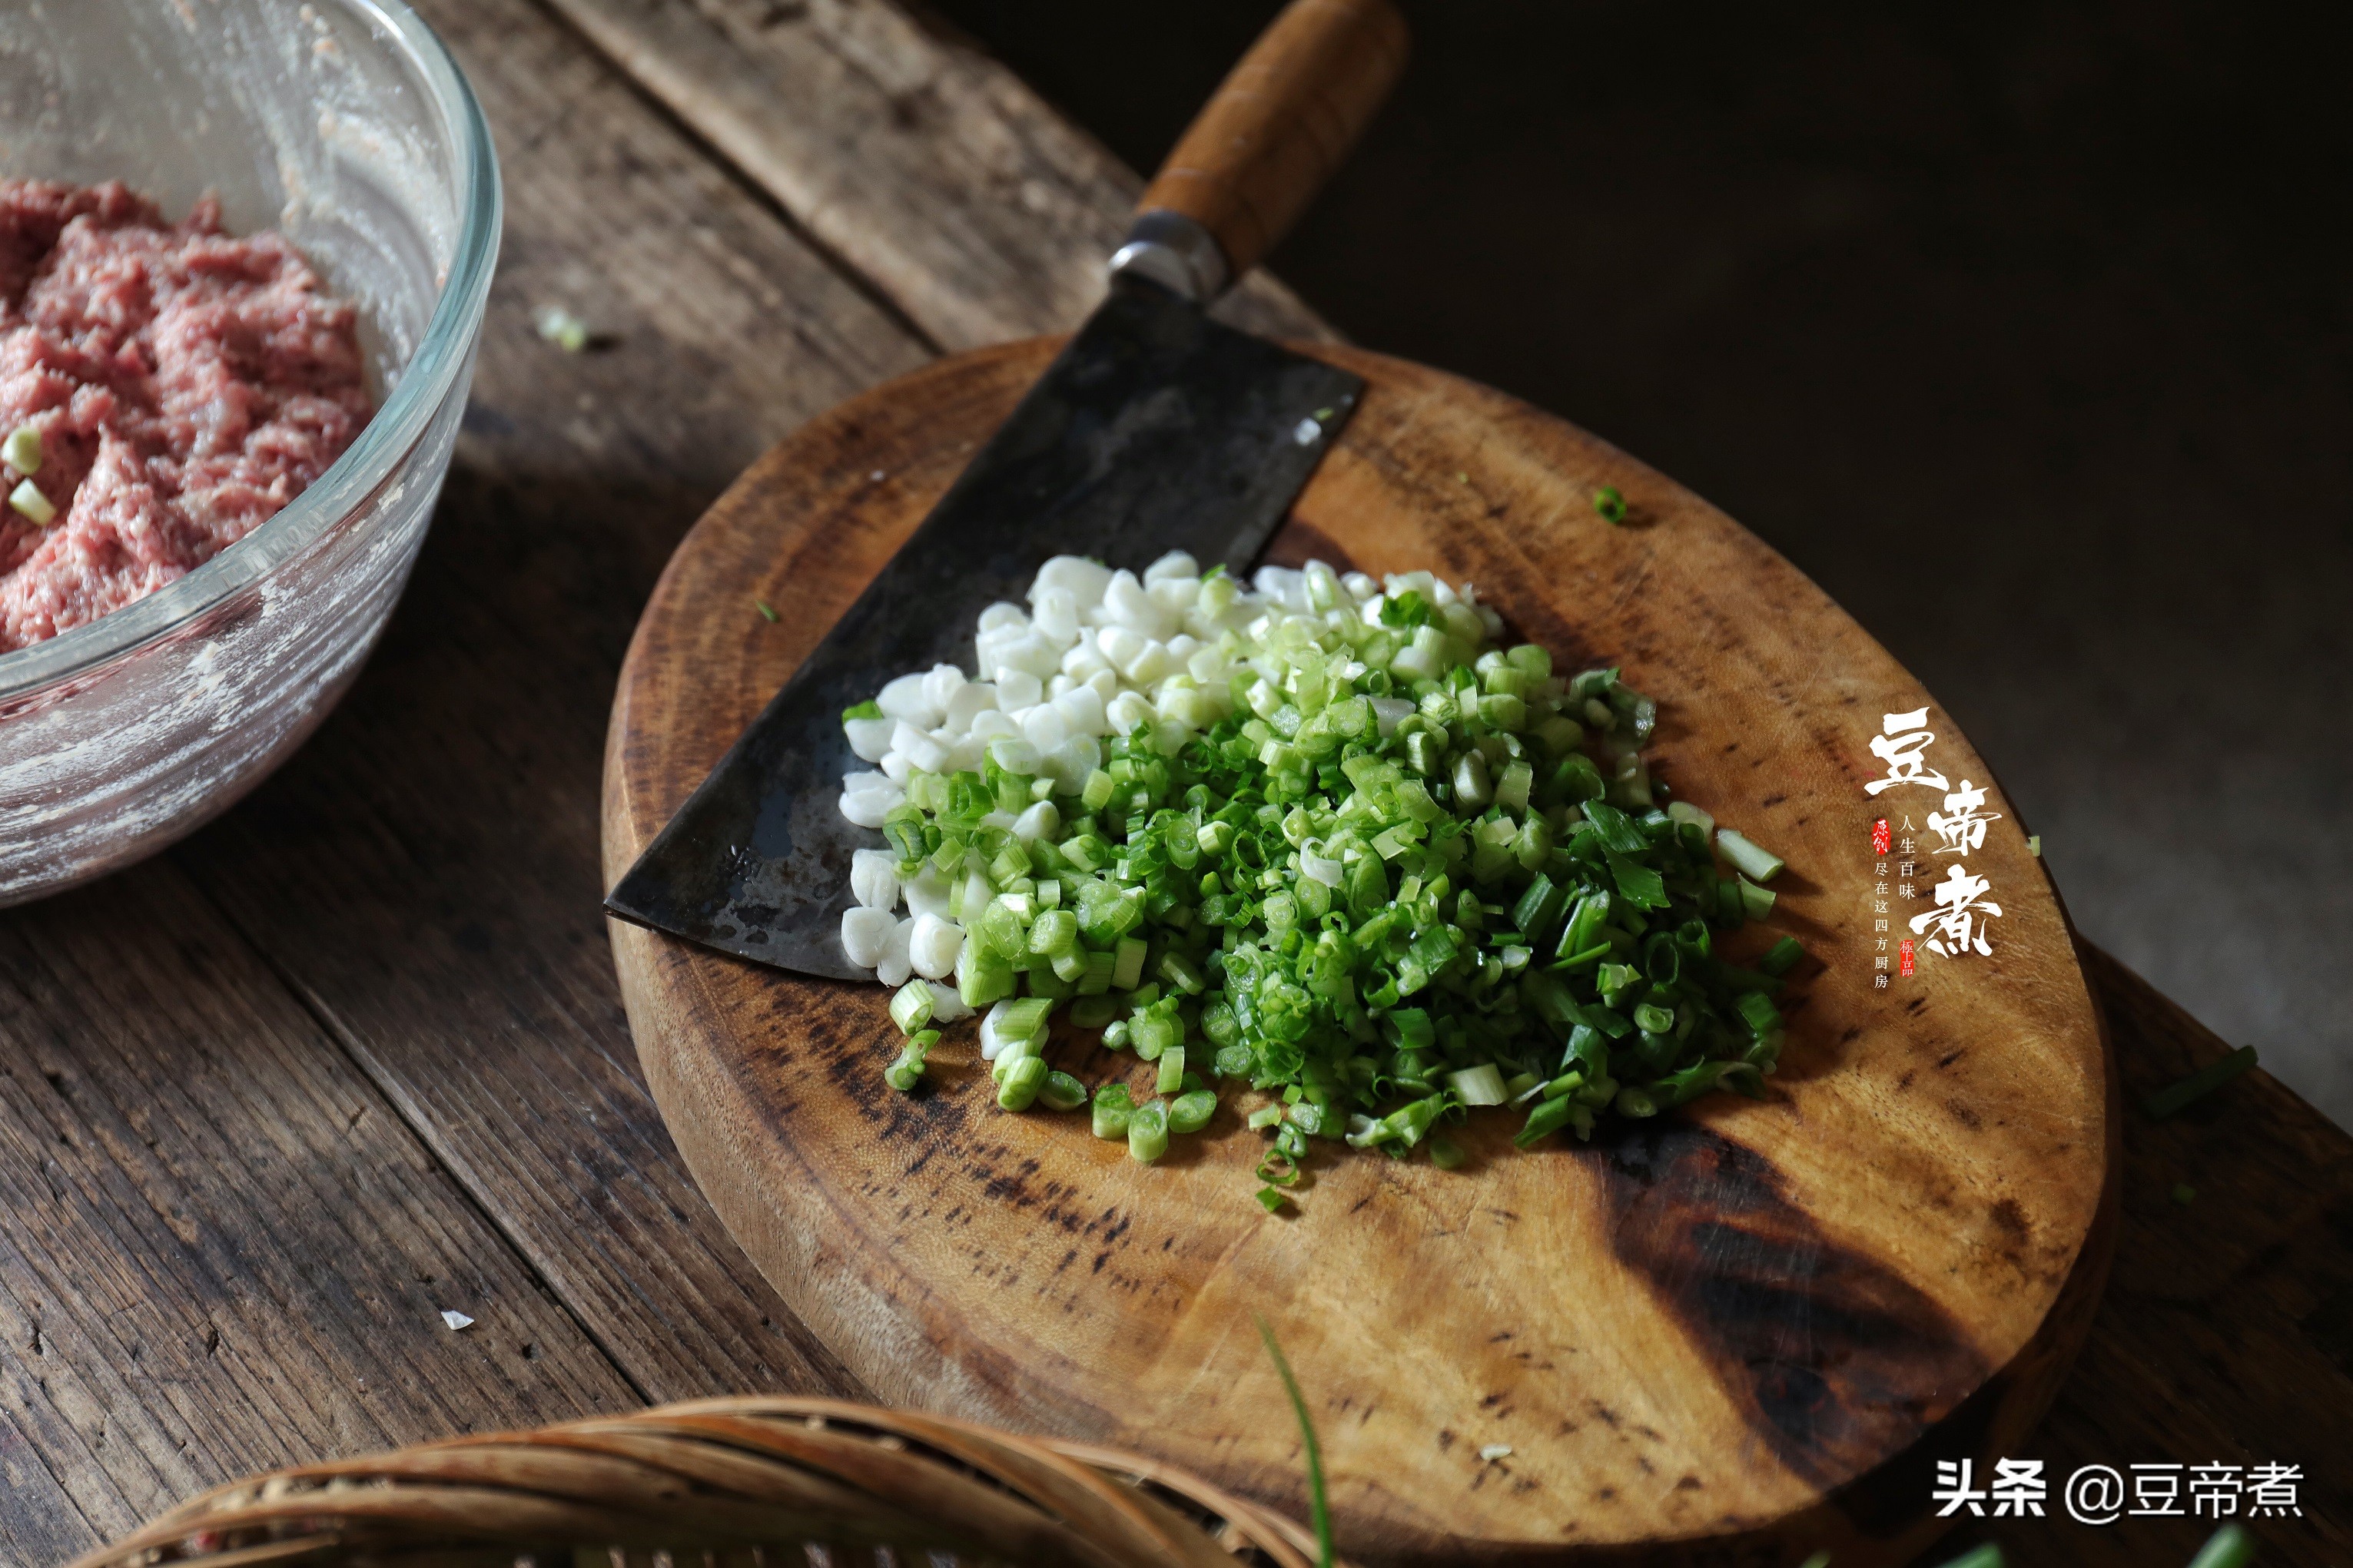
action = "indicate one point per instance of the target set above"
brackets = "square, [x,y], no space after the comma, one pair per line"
[727,1483]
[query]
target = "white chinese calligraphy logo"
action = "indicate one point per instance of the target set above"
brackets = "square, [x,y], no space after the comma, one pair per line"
[1961,825]
[1959,915]
[1904,737]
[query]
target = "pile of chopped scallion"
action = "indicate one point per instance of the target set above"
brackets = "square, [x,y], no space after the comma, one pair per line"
[1323,839]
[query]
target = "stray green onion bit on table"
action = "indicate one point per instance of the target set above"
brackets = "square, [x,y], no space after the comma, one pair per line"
[1610,504]
[1323,840]
[2165,1102]
[766,613]
[562,327]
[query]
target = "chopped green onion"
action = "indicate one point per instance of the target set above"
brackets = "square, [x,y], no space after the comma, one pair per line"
[1782,956]
[1447,1154]
[1344,850]
[1272,1199]
[1113,1109]
[769,615]
[1610,504]
[28,502]
[1757,865]
[1147,1132]
[912,1007]
[23,450]
[1061,1091]
[2164,1102]
[1482,1085]
[1191,1111]
[903,1072]
[1022,1082]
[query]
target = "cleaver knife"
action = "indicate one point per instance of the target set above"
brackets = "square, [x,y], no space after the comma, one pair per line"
[1155,430]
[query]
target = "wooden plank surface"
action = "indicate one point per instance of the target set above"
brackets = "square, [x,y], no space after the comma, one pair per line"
[423,877]
[920,162]
[223,1247]
[428,876]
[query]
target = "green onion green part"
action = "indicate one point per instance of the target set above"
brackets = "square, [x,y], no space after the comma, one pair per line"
[1610,504]
[1319,1504]
[1147,1132]
[2229,1547]
[2167,1101]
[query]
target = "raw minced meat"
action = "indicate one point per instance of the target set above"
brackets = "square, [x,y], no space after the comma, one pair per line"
[186,385]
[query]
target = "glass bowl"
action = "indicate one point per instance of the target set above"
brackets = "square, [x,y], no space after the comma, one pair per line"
[346,125]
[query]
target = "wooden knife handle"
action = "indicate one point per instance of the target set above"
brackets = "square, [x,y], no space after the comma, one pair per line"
[1279,124]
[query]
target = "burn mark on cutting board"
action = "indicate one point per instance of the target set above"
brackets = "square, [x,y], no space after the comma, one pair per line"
[1834,1359]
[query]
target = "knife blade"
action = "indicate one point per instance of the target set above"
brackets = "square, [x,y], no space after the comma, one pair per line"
[1155,428]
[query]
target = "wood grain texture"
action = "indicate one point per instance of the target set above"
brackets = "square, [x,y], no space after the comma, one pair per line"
[1701,1331]
[921,162]
[221,1243]
[1281,125]
[426,877]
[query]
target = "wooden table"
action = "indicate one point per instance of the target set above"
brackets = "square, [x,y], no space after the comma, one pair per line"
[353,1055]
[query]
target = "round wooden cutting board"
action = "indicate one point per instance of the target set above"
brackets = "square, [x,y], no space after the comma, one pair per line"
[1735,1334]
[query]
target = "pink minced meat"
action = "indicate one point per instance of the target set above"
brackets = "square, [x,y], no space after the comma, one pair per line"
[186,385]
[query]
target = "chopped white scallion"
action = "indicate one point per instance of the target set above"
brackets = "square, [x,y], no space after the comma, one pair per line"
[866,934]
[875,879]
[454,1321]
[1494,1451]
[933,945]
[23,449]
[27,501]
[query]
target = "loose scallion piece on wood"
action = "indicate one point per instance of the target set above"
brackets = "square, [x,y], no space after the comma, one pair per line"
[1325,837]
[903,1073]
[1610,504]
[767,613]
[1319,1505]
[2177,1097]
[561,327]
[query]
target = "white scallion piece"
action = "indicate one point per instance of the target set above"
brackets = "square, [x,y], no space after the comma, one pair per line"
[23,450]
[455,1321]
[29,503]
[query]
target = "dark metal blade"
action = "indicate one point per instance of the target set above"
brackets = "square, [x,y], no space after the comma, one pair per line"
[1155,429]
